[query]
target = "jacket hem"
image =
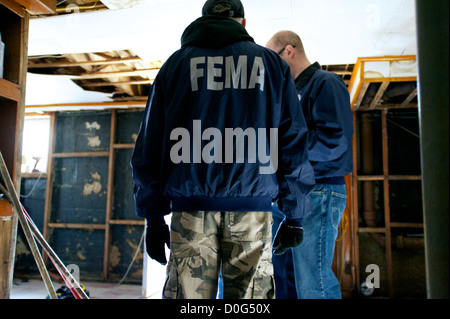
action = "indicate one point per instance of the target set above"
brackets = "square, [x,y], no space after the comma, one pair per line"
[338,180]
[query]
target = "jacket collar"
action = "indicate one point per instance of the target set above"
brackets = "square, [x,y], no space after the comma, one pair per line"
[304,77]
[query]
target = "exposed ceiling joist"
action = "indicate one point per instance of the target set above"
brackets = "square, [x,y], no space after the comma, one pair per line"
[99,75]
[121,83]
[384,83]
[83,63]
[120,73]
[409,98]
[379,95]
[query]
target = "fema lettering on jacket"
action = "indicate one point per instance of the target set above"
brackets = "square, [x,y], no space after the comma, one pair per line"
[223,73]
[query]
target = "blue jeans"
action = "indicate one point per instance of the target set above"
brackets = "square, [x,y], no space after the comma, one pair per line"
[305,272]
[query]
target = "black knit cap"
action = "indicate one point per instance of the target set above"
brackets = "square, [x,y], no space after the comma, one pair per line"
[236,11]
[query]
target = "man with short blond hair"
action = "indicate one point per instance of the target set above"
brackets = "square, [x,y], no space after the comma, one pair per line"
[305,271]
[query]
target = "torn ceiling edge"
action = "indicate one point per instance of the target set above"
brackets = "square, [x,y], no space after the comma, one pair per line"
[120,73]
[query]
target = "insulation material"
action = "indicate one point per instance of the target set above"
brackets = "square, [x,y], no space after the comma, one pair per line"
[380,69]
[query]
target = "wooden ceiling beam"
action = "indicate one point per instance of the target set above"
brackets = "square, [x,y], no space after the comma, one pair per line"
[82,63]
[118,83]
[388,106]
[39,6]
[131,99]
[379,94]
[409,98]
[341,72]
[99,75]
[362,92]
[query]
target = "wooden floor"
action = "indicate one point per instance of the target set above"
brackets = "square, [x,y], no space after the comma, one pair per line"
[35,289]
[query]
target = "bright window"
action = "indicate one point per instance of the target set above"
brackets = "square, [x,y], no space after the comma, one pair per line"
[36,136]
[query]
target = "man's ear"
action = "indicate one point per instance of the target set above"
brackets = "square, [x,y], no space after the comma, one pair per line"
[290,50]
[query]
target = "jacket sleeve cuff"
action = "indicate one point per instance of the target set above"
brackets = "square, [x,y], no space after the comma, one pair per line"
[155,220]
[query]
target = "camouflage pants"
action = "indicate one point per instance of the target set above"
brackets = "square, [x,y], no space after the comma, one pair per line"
[203,243]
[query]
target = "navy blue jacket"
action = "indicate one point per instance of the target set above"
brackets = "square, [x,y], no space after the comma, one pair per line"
[219,82]
[326,105]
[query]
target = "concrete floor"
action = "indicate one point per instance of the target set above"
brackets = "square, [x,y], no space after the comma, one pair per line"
[35,289]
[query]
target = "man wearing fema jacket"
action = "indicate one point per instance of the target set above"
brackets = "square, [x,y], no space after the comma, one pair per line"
[222,137]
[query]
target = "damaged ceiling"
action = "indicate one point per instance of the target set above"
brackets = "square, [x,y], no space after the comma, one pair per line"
[105,51]
[120,73]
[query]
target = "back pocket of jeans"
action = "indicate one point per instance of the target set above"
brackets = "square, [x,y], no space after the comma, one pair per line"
[338,205]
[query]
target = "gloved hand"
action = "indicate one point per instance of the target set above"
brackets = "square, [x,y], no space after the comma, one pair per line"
[156,236]
[287,237]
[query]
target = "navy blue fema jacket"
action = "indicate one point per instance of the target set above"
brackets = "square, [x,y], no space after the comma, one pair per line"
[217,108]
[326,105]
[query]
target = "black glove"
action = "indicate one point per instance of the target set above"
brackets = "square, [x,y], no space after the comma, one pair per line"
[287,237]
[156,236]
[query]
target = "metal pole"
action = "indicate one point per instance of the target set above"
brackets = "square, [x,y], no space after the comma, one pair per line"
[26,228]
[70,281]
[432,38]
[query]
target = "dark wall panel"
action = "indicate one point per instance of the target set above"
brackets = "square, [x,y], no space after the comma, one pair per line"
[82,247]
[79,190]
[82,132]
[128,124]
[124,244]
[123,207]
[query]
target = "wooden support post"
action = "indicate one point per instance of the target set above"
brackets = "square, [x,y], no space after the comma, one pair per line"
[354,221]
[49,187]
[110,194]
[12,106]
[8,235]
[387,210]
